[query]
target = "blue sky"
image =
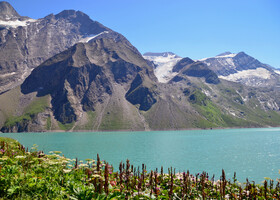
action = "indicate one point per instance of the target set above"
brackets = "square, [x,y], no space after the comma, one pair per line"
[189,28]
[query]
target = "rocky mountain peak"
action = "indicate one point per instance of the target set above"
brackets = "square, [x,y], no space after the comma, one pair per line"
[81,78]
[182,63]
[38,40]
[67,14]
[7,12]
[242,54]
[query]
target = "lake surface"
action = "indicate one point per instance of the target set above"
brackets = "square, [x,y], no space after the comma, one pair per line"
[251,153]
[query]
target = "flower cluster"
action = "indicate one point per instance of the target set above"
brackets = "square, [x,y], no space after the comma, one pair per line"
[35,175]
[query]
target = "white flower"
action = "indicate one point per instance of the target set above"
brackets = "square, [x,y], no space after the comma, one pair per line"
[19,157]
[67,170]
[83,165]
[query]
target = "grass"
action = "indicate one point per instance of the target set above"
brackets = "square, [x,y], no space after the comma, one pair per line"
[113,119]
[35,175]
[30,112]
[65,127]
[10,141]
[208,109]
[91,117]
[49,124]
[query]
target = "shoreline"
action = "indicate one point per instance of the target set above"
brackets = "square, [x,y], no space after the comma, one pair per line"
[154,130]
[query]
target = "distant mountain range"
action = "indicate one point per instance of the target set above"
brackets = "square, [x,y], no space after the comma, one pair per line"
[68,72]
[238,67]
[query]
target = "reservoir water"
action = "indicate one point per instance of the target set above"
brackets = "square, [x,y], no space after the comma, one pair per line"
[251,153]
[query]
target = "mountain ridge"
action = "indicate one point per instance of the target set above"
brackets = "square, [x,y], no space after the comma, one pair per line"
[24,47]
[89,77]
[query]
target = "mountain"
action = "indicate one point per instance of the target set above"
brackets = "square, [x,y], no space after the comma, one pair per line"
[163,64]
[7,12]
[243,68]
[188,67]
[81,75]
[25,43]
[106,75]
[106,84]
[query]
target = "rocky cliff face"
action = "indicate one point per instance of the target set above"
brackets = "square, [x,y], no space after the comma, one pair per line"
[25,43]
[84,76]
[7,12]
[187,67]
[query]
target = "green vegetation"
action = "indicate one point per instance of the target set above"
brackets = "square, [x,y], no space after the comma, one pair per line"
[208,109]
[114,120]
[65,127]
[91,117]
[34,175]
[30,112]
[49,124]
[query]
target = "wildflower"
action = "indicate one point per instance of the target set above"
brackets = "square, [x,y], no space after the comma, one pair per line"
[67,170]
[113,183]
[20,157]
[4,158]
[2,150]
[83,165]
[52,162]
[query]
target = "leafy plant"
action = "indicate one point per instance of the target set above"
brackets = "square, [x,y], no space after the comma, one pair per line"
[35,175]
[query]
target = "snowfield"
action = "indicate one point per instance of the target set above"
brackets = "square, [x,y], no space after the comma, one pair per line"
[90,37]
[16,23]
[250,73]
[224,56]
[164,66]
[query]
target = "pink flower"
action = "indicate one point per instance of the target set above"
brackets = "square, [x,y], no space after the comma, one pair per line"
[113,183]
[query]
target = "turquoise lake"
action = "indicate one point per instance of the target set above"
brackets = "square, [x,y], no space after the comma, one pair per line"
[251,153]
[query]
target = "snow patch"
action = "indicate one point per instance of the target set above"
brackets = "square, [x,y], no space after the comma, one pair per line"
[164,66]
[206,92]
[224,56]
[8,74]
[90,37]
[227,56]
[16,23]
[250,73]
[277,71]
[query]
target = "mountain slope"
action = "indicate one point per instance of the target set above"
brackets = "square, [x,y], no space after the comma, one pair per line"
[7,12]
[25,43]
[243,68]
[107,85]
[96,78]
